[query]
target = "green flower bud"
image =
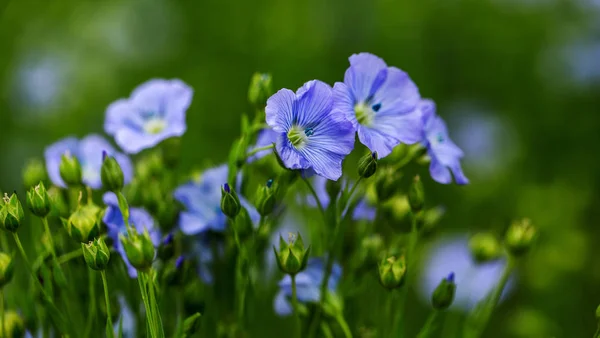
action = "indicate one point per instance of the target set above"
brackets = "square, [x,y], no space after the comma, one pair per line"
[34,173]
[292,257]
[70,170]
[11,213]
[139,249]
[260,89]
[484,247]
[111,174]
[6,269]
[14,327]
[230,202]
[416,195]
[84,224]
[265,199]
[58,203]
[392,272]
[191,324]
[367,165]
[96,254]
[38,200]
[443,295]
[519,237]
[387,184]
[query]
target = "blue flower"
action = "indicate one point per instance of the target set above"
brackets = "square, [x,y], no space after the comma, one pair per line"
[266,137]
[381,103]
[308,285]
[154,112]
[311,135]
[445,155]
[139,218]
[202,199]
[204,249]
[89,153]
[362,210]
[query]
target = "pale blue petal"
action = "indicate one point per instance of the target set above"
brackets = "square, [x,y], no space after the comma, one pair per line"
[366,74]
[439,172]
[313,103]
[282,305]
[398,95]
[343,102]
[280,110]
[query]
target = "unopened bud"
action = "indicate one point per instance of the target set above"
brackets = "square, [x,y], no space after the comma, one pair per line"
[291,257]
[367,165]
[443,295]
[11,213]
[38,200]
[519,237]
[34,173]
[139,249]
[96,254]
[484,247]
[230,202]
[260,89]
[70,170]
[265,199]
[6,269]
[392,272]
[111,173]
[416,195]
[84,224]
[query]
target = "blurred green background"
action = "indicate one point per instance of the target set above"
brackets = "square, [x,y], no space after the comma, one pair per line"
[517,80]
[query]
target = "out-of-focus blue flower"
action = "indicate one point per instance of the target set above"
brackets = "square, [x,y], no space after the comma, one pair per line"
[155,111]
[202,200]
[139,218]
[89,153]
[362,210]
[266,137]
[308,285]
[311,135]
[473,282]
[381,103]
[127,318]
[445,155]
[204,249]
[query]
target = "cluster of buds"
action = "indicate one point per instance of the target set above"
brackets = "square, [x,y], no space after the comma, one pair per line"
[292,257]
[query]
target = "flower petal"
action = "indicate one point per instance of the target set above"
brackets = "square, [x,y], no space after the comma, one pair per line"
[313,103]
[282,305]
[280,110]
[439,172]
[365,75]
[398,95]
[343,102]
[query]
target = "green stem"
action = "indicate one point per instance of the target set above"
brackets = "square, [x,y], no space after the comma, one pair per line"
[295,306]
[144,293]
[159,331]
[502,283]
[343,325]
[429,328]
[92,306]
[124,207]
[69,256]
[412,245]
[2,313]
[107,300]
[314,193]
[352,190]
[257,150]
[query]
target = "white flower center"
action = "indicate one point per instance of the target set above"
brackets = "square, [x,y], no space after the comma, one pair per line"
[154,126]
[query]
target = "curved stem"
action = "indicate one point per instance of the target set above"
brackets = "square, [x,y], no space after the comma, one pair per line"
[144,294]
[295,306]
[110,334]
[314,193]
[124,207]
[343,325]
[92,305]
[259,149]
[69,256]
[428,329]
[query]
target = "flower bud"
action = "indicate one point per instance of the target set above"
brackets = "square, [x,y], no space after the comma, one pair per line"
[13,325]
[443,295]
[84,224]
[38,200]
[416,195]
[11,213]
[230,202]
[292,257]
[34,173]
[139,249]
[367,165]
[70,170]
[111,174]
[484,247]
[58,203]
[166,249]
[392,272]
[260,89]
[191,324]
[265,199]
[6,269]
[96,254]
[519,237]
[387,184]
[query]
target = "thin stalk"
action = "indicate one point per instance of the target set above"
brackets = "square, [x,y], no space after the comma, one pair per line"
[428,329]
[314,193]
[412,245]
[107,300]
[92,305]
[155,308]
[343,325]
[295,306]
[69,256]
[124,207]
[144,293]
[257,150]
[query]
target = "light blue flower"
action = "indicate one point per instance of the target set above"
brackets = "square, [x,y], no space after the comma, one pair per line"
[362,210]
[311,135]
[473,281]
[155,111]
[445,155]
[89,153]
[308,285]
[202,200]
[381,103]
[139,218]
